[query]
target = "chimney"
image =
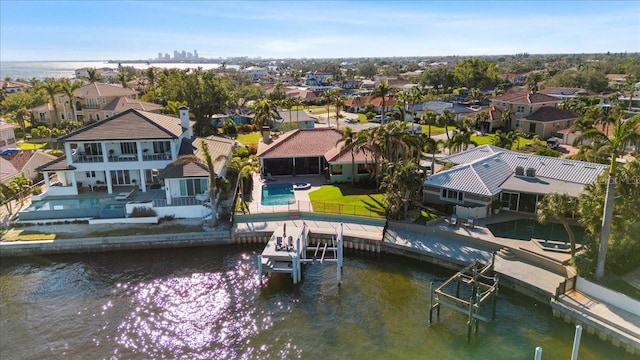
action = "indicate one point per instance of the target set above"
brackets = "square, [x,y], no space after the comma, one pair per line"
[184,121]
[266,134]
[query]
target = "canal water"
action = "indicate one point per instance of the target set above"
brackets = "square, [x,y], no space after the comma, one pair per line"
[206,303]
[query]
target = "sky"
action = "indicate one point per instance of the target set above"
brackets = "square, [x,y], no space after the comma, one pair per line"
[132,30]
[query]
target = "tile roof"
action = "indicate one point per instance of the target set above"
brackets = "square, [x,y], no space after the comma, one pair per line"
[549,113]
[218,146]
[122,103]
[184,168]
[19,158]
[129,125]
[59,164]
[525,97]
[7,169]
[486,175]
[337,155]
[300,143]
[102,90]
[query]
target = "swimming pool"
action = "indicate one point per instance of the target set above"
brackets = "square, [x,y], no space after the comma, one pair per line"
[64,204]
[277,194]
[526,229]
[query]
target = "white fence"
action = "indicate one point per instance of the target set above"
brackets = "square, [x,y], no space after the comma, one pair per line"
[611,297]
[479,212]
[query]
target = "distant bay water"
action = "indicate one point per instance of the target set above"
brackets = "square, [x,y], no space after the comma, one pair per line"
[66,69]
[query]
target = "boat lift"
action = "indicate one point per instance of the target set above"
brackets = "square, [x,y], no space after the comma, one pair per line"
[286,253]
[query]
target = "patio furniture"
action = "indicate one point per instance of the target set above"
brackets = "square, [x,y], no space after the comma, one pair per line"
[124,195]
[470,223]
[453,221]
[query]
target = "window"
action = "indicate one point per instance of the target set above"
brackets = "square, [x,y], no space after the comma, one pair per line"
[104,101]
[336,169]
[517,123]
[161,147]
[92,149]
[520,109]
[92,103]
[43,117]
[90,174]
[97,117]
[128,148]
[192,187]
[363,169]
[452,195]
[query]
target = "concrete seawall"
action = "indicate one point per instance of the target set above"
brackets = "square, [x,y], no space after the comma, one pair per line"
[114,243]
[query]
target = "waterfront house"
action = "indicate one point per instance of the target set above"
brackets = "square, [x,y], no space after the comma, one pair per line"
[92,102]
[255,72]
[133,156]
[12,87]
[311,152]
[488,175]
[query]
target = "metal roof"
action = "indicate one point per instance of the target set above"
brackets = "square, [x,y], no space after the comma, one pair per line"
[488,175]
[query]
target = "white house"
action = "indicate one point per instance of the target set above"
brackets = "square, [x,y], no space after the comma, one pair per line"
[126,153]
[256,73]
[7,135]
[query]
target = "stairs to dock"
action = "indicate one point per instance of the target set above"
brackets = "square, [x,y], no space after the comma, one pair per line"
[506,253]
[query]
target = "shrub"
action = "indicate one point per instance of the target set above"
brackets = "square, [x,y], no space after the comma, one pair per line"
[56,153]
[253,149]
[246,128]
[36,190]
[545,151]
[242,152]
[166,218]
[140,211]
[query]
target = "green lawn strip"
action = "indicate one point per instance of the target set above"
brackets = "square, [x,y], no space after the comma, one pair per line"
[348,200]
[25,235]
[249,139]
[435,130]
[623,287]
[488,140]
[31,146]
[147,230]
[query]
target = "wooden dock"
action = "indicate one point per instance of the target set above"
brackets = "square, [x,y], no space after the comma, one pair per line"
[288,248]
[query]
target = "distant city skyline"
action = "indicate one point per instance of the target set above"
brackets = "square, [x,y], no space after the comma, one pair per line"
[138,30]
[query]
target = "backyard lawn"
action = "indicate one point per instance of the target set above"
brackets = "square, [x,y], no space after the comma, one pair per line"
[488,140]
[348,200]
[249,138]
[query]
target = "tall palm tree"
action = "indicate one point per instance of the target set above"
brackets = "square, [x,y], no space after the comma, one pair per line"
[213,178]
[93,76]
[264,111]
[52,86]
[507,117]
[383,90]
[559,207]
[349,140]
[415,95]
[338,102]
[68,88]
[428,117]
[624,132]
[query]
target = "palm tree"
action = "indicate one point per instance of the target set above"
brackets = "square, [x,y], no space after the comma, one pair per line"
[123,78]
[349,140]
[559,207]
[7,194]
[415,95]
[503,139]
[383,90]
[68,88]
[264,111]
[51,86]
[338,102]
[93,76]
[507,117]
[213,178]
[428,117]
[624,132]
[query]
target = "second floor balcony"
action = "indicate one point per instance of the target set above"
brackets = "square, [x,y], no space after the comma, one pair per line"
[85,158]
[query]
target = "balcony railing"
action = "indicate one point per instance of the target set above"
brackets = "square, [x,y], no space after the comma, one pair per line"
[156,157]
[123,158]
[82,158]
[178,201]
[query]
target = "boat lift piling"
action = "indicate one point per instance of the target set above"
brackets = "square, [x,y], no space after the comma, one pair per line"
[473,276]
[284,255]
